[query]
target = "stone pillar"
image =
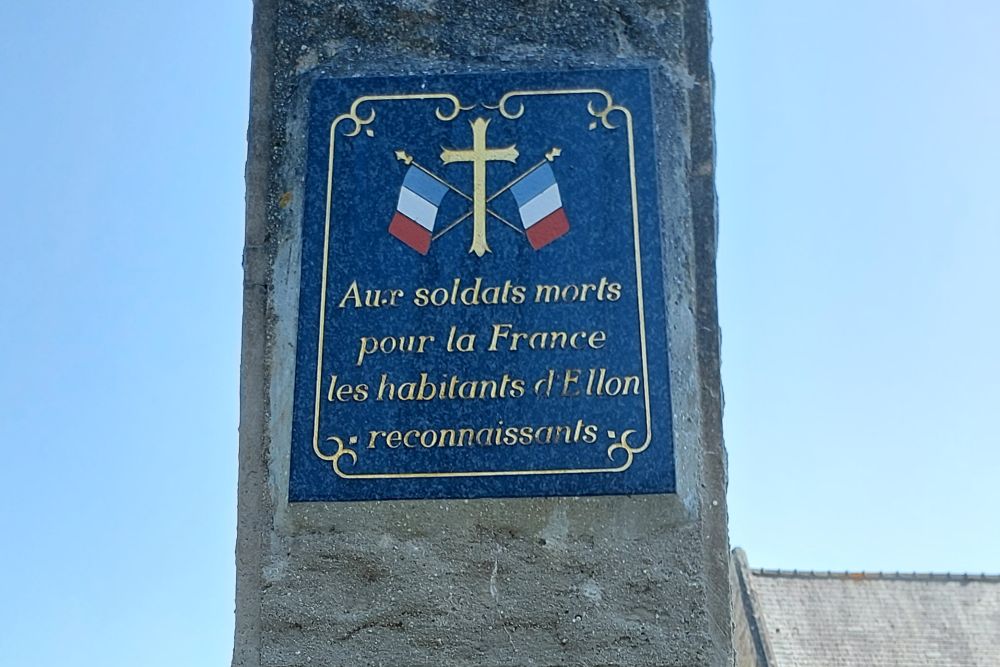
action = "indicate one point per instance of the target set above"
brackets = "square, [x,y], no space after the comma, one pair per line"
[636,577]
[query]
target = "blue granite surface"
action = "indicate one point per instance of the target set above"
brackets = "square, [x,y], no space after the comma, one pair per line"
[483,423]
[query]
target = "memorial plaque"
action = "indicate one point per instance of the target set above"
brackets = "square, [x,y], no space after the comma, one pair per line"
[481,308]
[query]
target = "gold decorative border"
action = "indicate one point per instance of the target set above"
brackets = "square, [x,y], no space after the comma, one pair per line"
[359,122]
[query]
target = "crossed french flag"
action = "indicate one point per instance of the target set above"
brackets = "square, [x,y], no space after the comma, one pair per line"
[416,212]
[540,206]
[536,193]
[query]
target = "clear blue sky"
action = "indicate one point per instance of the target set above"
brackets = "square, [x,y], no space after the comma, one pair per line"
[859,278]
[858,146]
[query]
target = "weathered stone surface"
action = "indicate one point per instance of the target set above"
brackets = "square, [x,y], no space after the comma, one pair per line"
[551,581]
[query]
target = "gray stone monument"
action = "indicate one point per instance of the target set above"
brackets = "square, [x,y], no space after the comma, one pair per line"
[480,396]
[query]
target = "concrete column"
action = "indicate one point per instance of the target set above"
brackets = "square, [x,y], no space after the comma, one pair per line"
[603,580]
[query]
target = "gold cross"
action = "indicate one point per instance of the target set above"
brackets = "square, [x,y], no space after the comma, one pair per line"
[479,155]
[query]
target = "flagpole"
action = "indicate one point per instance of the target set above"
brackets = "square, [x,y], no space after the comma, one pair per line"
[553,153]
[407,159]
[467,215]
[411,162]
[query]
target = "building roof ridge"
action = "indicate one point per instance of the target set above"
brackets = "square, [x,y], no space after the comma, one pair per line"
[954,577]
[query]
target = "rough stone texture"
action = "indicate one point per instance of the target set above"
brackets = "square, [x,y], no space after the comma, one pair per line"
[635,581]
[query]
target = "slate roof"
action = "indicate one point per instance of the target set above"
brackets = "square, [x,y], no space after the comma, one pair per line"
[824,619]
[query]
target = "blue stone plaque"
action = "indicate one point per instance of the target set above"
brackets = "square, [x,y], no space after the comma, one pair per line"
[481,311]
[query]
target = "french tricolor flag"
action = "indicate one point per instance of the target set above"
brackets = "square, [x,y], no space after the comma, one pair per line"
[417,209]
[540,205]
